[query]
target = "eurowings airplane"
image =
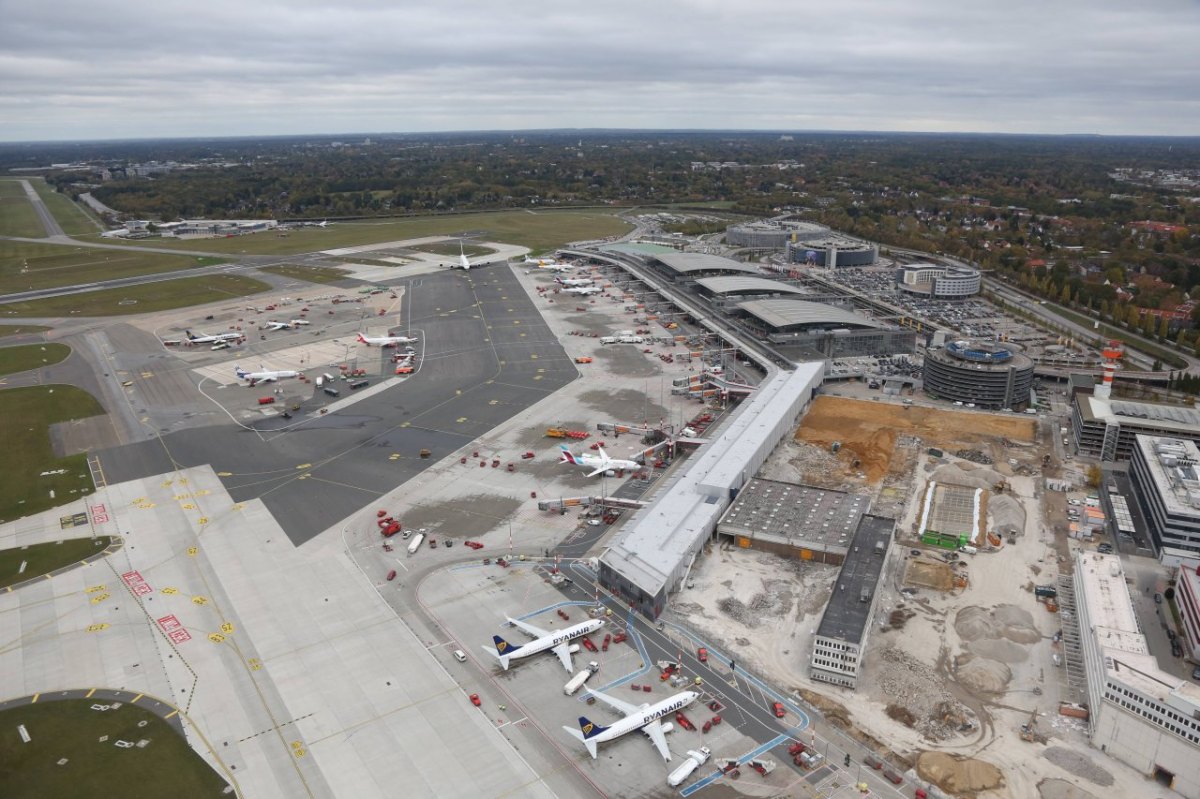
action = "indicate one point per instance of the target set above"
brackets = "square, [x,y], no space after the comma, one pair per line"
[643,717]
[599,463]
[272,325]
[385,341]
[574,282]
[264,376]
[203,339]
[582,290]
[559,642]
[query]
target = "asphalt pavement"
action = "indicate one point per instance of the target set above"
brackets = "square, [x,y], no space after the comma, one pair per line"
[487,356]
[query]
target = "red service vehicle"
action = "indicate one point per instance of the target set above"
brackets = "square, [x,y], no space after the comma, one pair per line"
[379,514]
[502,562]
[392,529]
[587,644]
[685,722]
[606,642]
[475,700]
[391,575]
[702,654]
[619,637]
[893,776]
[707,726]
[779,711]
[512,467]
[646,688]
[527,456]
[266,400]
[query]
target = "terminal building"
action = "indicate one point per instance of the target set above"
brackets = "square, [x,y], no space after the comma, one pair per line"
[655,549]
[773,234]
[798,521]
[723,292]
[1187,599]
[832,252]
[985,374]
[938,282]
[1166,485]
[679,266]
[807,330]
[1137,713]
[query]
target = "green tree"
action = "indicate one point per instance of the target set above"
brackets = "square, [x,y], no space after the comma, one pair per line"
[1164,328]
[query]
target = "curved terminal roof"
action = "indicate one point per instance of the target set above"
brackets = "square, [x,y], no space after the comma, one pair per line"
[684,263]
[785,313]
[747,285]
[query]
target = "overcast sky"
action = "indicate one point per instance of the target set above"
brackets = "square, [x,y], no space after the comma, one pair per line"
[71,69]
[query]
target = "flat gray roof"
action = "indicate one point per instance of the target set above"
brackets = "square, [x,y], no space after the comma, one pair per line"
[784,313]
[848,612]
[757,285]
[796,513]
[687,262]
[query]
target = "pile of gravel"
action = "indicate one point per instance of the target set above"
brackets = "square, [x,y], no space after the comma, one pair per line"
[1078,764]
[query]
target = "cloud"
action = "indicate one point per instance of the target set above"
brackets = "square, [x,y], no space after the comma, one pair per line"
[106,70]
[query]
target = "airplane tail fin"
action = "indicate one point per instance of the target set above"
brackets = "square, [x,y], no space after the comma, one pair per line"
[504,648]
[188,333]
[239,371]
[567,457]
[361,340]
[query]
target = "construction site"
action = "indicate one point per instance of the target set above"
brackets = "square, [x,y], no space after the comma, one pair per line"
[961,680]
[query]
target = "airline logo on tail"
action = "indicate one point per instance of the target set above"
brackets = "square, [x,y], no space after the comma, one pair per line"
[567,457]
[361,339]
[502,646]
[589,729]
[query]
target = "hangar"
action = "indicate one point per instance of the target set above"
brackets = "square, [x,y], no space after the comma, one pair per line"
[813,330]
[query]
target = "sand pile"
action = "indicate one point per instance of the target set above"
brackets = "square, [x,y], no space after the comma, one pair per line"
[1006,515]
[958,775]
[967,474]
[1078,764]
[1003,621]
[983,675]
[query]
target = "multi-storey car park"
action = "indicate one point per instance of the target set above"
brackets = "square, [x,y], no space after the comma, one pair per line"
[1165,475]
[832,252]
[773,234]
[1137,713]
[985,374]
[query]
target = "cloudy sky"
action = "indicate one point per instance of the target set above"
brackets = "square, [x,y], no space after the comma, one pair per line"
[100,69]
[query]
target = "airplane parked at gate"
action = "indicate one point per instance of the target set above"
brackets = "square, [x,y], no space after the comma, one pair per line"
[582,290]
[559,643]
[385,341]
[264,376]
[291,324]
[547,262]
[574,282]
[644,717]
[599,463]
[214,339]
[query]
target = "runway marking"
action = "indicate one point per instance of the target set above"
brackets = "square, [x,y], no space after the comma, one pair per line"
[136,698]
[88,695]
[304,466]
[172,713]
[514,721]
[91,589]
[35,698]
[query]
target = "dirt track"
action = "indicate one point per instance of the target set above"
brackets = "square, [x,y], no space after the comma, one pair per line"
[868,430]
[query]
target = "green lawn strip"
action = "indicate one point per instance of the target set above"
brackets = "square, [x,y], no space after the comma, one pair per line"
[71,729]
[71,216]
[164,295]
[541,231]
[41,559]
[17,215]
[31,356]
[21,330]
[313,274]
[26,265]
[25,418]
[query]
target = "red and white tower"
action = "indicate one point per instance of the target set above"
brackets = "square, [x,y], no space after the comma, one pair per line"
[1112,355]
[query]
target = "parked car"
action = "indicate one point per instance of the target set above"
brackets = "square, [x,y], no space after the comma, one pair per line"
[702,655]
[779,710]
[1157,598]
[475,700]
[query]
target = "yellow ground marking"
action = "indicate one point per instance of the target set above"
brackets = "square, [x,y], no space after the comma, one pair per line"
[169,590]
[192,551]
[238,506]
[461,419]
[35,698]
[138,501]
[216,638]
[95,628]
[304,466]
[98,598]
[91,589]
[188,506]
[224,474]
[88,695]
[172,713]
[147,374]
[202,520]
[227,628]
[136,698]
[199,600]
[255,664]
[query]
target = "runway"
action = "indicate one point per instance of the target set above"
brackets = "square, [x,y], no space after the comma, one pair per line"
[488,355]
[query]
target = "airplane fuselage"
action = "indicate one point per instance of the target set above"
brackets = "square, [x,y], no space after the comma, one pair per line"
[551,641]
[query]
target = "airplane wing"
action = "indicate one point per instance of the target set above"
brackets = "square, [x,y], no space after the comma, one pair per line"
[536,632]
[612,701]
[603,468]
[654,732]
[563,651]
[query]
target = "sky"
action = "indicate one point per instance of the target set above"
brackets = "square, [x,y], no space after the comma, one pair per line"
[74,70]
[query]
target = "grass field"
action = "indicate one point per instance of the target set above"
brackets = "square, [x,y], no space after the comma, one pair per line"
[25,266]
[31,356]
[17,330]
[540,231]
[72,218]
[70,729]
[25,418]
[146,298]
[313,274]
[17,217]
[42,559]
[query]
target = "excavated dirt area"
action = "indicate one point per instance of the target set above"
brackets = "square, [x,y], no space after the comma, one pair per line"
[868,431]
[960,776]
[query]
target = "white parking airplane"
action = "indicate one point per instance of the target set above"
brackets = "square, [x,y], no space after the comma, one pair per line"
[644,717]
[559,643]
[540,261]
[385,341]
[214,339]
[291,324]
[264,376]
[463,262]
[598,463]
[582,290]
[574,282]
